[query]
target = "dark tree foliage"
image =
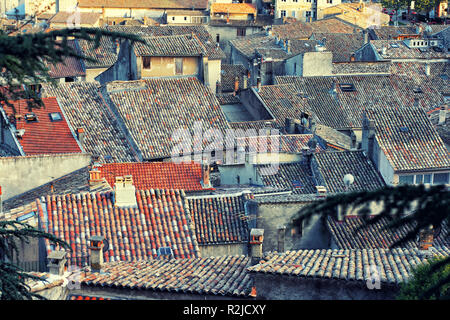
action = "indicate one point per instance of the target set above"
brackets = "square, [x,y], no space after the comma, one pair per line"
[24,58]
[13,280]
[406,205]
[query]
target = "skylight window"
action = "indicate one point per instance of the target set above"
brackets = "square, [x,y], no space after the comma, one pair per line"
[404,129]
[55,116]
[417,90]
[165,251]
[394,45]
[347,87]
[31,117]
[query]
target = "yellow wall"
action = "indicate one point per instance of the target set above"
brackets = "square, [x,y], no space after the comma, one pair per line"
[92,73]
[165,67]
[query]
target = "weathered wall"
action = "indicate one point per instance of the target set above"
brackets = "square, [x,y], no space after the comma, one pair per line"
[271,216]
[254,105]
[20,174]
[246,172]
[317,64]
[165,67]
[123,69]
[92,73]
[217,250]
[145,294]
[277,287]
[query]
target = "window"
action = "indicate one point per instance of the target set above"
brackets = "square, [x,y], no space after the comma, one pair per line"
[347,87]
[31,117]
[283,13]
[307,13]
[427,178]
[293,14]
[185,18]
[173,18]
[178,66]
[409,179]
[217,37]
[55,116]
[440,178]
[330,1]
[147,63]
[69,79]
[419,178]
[240,32]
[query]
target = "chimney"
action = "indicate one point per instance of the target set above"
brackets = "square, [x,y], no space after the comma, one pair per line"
[370,127]
[218,87]
[428,69]
[288,46]
[258,83]
[56,262]
[80,135]
[306,155]
[289,125]
[340,216]
[96,254]
[206,170]
[366,36]
[426,238]
[442,114]
[353,137]
[125,192]
[312,125]
[256,242]
[95,176]
[281,236]
[236,85]
[321,191]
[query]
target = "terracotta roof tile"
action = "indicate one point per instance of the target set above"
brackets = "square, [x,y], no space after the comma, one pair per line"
[157,175]
[161,219]
[220,276]
[43,136]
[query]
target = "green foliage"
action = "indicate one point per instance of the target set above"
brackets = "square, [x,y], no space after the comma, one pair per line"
[24,58]
[426,278]
[13,280]
[406,205]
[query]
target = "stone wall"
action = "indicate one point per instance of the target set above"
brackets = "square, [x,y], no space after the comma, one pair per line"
[218,250]
[20,174]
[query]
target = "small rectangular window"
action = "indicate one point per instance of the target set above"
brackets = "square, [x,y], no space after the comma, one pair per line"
[55,116]
[347,87]
[31,117]
[283,13]
[147,63]
[240,32]
[427,178]
[178,66]
[419,178]
[409,179]
[440,178]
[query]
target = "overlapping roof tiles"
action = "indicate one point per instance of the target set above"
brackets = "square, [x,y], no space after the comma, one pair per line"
[70,67]
[156,175]
[220,219]
[156,108]
[161,219]
[347,234]
[232,8]
[105,54]
[395,266]
[408,139]
[291,143]
[85,108]
[219,276]
[229,73]
[339,108]
[42,134]
[342,45]
[178,45]
[397,49]
[333,166]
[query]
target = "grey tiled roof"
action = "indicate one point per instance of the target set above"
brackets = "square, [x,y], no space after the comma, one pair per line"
[219,219]
[347,235]
[213,51]
[333,166]
[229,73]
[339,109]
[296,177]
[408,139]
[340,44]
[178,45]
[401,51]
[390,32]
[357,67]
[395,265]
[85,108]
[105,54]
[220,276]
[153,109]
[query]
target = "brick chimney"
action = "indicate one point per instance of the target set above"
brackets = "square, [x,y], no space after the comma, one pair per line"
[426,238]
[96,254]
[289,125]
[258,83]
[56,262]
[442,115]
[125,192]
[281,238]
[206,170]
[80,135]
[256,242]
[95,176]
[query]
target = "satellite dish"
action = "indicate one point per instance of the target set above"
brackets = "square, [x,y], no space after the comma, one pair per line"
[348,179]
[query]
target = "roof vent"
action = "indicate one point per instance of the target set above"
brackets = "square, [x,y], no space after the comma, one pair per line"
[31,117]
[20,133]
[165,252]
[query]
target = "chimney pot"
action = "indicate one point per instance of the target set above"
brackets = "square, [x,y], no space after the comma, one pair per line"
[281,238]
[96,254]
[442,115]
[321,191]
[206,170]
[125,192]
[426,238]
[56,262]
[256,242]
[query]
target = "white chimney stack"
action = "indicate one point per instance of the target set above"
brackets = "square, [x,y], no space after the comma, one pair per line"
[125,192]
[442,116]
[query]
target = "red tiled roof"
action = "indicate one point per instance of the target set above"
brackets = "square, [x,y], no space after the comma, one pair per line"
[44,136]
[70,67]
[156,175]
[161,219]
[90,298]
